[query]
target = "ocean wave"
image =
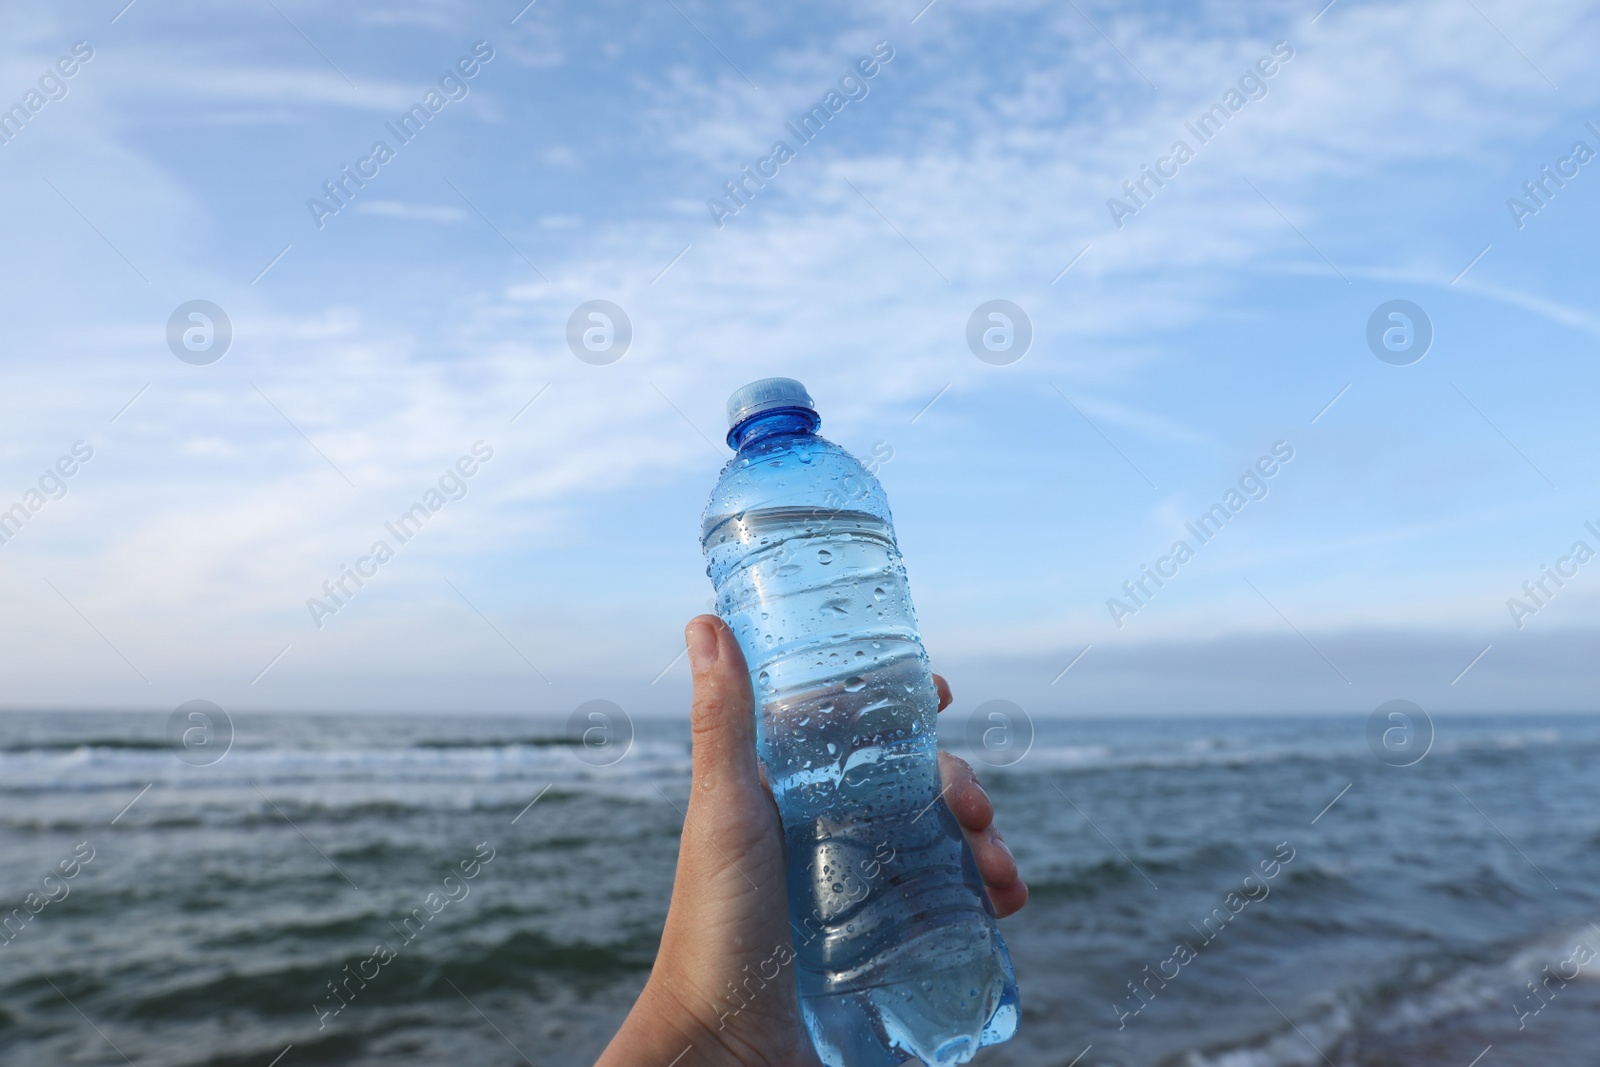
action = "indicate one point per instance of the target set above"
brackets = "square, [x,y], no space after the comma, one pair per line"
[86,768]
[242,809]
[415,973]
[1231,752]
[1482,884]
[132,744]
[506,769]
[1221,863]
[1427,991]
[508,742]
[59,763]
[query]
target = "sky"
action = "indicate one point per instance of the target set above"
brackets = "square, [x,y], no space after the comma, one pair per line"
[1178,335]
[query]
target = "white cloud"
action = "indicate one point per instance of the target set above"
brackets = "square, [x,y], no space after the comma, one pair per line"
[400,210]
[995,166]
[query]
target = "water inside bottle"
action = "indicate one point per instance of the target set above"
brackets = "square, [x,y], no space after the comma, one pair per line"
[896,947]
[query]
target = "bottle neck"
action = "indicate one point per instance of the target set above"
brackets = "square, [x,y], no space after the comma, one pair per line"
[772,423]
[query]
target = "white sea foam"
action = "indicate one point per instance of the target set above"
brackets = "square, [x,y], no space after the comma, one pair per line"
[1469,989]
[1240,751]
[42,783]
[94,767]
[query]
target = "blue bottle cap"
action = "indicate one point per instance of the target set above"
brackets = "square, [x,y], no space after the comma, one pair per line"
[766,394]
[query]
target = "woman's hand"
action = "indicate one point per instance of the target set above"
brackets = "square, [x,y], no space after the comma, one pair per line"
[722,990]
[973,810]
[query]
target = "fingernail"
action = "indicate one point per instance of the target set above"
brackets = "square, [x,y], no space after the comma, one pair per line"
[701,638]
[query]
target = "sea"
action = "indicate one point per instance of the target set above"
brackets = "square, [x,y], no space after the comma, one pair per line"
[370,889]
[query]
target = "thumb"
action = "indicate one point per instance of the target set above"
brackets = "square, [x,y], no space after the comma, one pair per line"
[722,716]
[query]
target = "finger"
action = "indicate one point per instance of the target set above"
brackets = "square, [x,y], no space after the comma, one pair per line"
[722,714]
[998,868]
[994,859]
[975,812]
[944,691]
[1007,902]
[967,800]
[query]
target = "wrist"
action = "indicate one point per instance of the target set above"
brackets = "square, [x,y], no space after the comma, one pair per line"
[668,1008]
[661,1029]
[768,1035]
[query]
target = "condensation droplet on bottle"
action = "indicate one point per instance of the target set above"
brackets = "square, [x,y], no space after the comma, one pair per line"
[833,749]
[855,684]
[764,679]
[824,557]
[878,593]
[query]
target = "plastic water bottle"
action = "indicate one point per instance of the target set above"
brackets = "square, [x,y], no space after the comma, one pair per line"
[897,952]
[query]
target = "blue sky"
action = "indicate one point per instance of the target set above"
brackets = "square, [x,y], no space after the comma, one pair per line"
[1222,317]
